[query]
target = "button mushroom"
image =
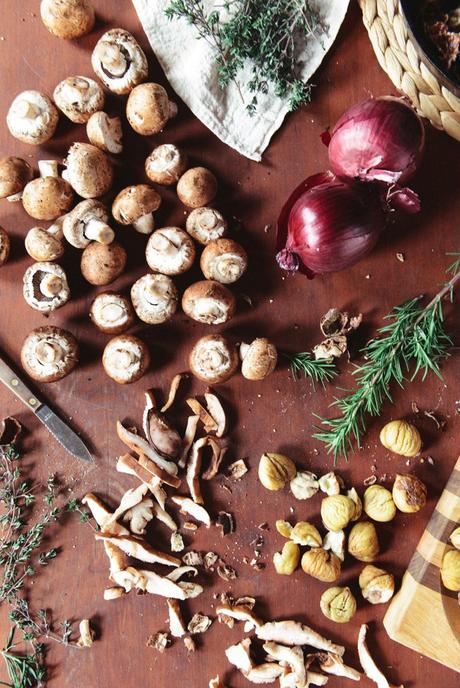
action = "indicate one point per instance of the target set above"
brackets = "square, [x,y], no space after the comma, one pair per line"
[224,260]
[32,117]
[119,61]
[166,164]
[112,313]
[78,97]
[101,264]
[105,132]
[206,224]
[208,302]
[45,287]
[14,175]
[67,18]
[135,206]
[213,359]
[154,298]
[49,354]
[88,222]
[48,196]
[197,187]
[43,245]
[170,251]
[148,109]
[258,359]
[125,359]
[89,171]
[4,246]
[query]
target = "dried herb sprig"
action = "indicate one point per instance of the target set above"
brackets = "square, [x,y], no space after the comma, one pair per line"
[319,371]
[414,338]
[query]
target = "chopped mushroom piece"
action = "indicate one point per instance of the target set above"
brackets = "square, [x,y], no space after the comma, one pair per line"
[240,613]
[367,662]
[216,410]
[190,645]
[141,446]
[113,593]
[208,302]
[226,522]
[112,313]
[129,465]
[177,573]
[188,506]
[102,514]
[216,682]
[160,433]
[177,542]
[295,633]
[218,449]
[223,260]
[48,196]
[102,264]
[239,655]
[166,164]
[148,109]
[41,245]
[237,469]
[194,470]
[129,578]
[105,132]
[87,222]
[206,225]
[213,359]
[159,641]
[86,634]
[67,19]
[49,353]
[166,587]
[89,170]
[176,622]
[258,359]
[10,429]
[293,656]
[331,663]
[14,175]
[45,286]
[210,425]
[125,359]
[119,61]
[170,251]
[32,117]
[199,623]
[197,187]
[139,516]
[134,547]
[265,673]
[78,97]
[175,382]
[189,436]
[135,205]
[154,298]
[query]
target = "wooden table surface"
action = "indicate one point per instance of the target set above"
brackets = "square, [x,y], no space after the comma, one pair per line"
[272,415]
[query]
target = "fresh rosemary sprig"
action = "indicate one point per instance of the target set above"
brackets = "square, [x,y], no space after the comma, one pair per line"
[319,371]
[270,36]
[413,338]
[24,670]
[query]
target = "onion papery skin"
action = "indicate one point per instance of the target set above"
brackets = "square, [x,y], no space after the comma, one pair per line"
[378,140]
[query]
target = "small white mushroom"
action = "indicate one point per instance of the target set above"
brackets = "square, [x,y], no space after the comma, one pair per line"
[148,109]
[176,621]
[49,196]
[125,359]
[154,298]
[78,97]
[166,164]
[170,251]
[258,359]
[135,206]
[335,541]
[188,506]
[105,132]
[119,61]
[197,187]
[15,173]
[89,170]
[67,18]
[208,302]
[112,313]
[86,634]
[45,286]
[213,359]
[87,222]
[139,516]
[41,245]
[32,117]
[206,225]
[224,260]
[101,264]
[294,633]
[49,353]
[5,245]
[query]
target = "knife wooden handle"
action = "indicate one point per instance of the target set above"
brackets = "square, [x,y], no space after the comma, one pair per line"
[11,380]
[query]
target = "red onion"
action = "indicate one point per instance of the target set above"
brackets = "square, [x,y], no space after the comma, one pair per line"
[381,140]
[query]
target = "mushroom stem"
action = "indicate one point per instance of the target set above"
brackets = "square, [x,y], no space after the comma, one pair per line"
[48,168]
[50,285]
[56,228]
[25,109]
[122,359]
[46,352]
[114,61]
[144,224]
[14,197]
[244,348]
[97,230]
[173,109]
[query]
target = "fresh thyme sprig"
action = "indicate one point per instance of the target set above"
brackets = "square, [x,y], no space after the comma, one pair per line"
[319,371]
[415,338]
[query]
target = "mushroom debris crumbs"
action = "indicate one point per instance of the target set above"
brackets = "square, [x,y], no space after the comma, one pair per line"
[237,469]
[158,641]
[199,623]
[226,522]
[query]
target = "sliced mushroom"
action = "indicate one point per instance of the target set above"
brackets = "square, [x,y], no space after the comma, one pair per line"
[135,206]
[224,260]
[113,593]
[101,264]
[148,109]
[87,222]
[134,547]
[112,313]
[118,561]
[240,613]
[292,656]
[14,175]
[206,225]
[86,634]
[67,18]
[166,164]
[45,287]
[332,664]
[189,436]
[239,655]
[258,359]
[175,382]
[49,354]
[197,187]
[216,410]
[180,571]
[265,673]
[129,465]
[210,425]
[295,633]
[142,447]
[105,132]
[89,170]
[194,470]
[162,515]
[213,359]
[78,97]
[154,298]
[119,61]
[139,516]
[209,302]
[129,578]
[219,449]
[367,662]
[125,359]
[102,515]
[188,506]
[41,245]
[5,245]
[170,251]
[166,587]
[130,499]
[176,621]
[163,437]
[48,196]
[32,117]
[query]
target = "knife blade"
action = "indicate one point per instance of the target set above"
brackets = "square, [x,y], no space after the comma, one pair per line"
[55,425]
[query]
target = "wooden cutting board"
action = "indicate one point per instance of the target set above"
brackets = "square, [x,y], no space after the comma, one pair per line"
[424,615]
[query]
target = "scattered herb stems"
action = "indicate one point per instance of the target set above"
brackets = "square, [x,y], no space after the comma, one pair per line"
[414,338]
[319,371]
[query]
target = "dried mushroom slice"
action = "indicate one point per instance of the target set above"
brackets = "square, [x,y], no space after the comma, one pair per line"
[49,354]
[125,359]
[224,260]
[112,313]
[206,225]
[188,506]
[294,633]
[78,97]
[45,287]
[32,117]
[154,298]
[163,437]
[166,164]
[240,655]
[213,359]
[119,61]
[170,251]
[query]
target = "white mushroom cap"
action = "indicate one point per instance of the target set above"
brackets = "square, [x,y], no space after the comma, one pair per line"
[224,260]
[14,175]
[170,251]
[213,359]
[4,246]
[197,187]
[206,224]
[49,354]
[67,18]
[89,171]
[112,313]
[46,198]
[101,264]
[43,246]
[135,206]
[78,97]
[125,359]
[154,298]
[88,222]
[208,302]
[258,359]
[32,117]
[166,164]
[119,61]
[148,109]
[105,132]
[45,287]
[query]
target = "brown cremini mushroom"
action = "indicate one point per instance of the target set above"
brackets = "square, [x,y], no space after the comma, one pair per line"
[224,260]
[45,287]
[208,302]
[119,61]
[32,117]
[101,264]
[258,359]
[126,359]
[170,251]
[154,298]
[206,225]
[213,359]
[4,246]
[43,245]
[67,18]
[148,109]
[49,354]
[112,313]
[89,170]
[87,222]
[14,175]
[78,97]
[197,187]
[105,132]
[48,196]
[135,206]
[166,164]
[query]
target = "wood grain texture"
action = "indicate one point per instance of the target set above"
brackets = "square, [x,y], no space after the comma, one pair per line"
[275,414]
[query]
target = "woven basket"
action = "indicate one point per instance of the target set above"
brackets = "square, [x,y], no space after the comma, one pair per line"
[400,59]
